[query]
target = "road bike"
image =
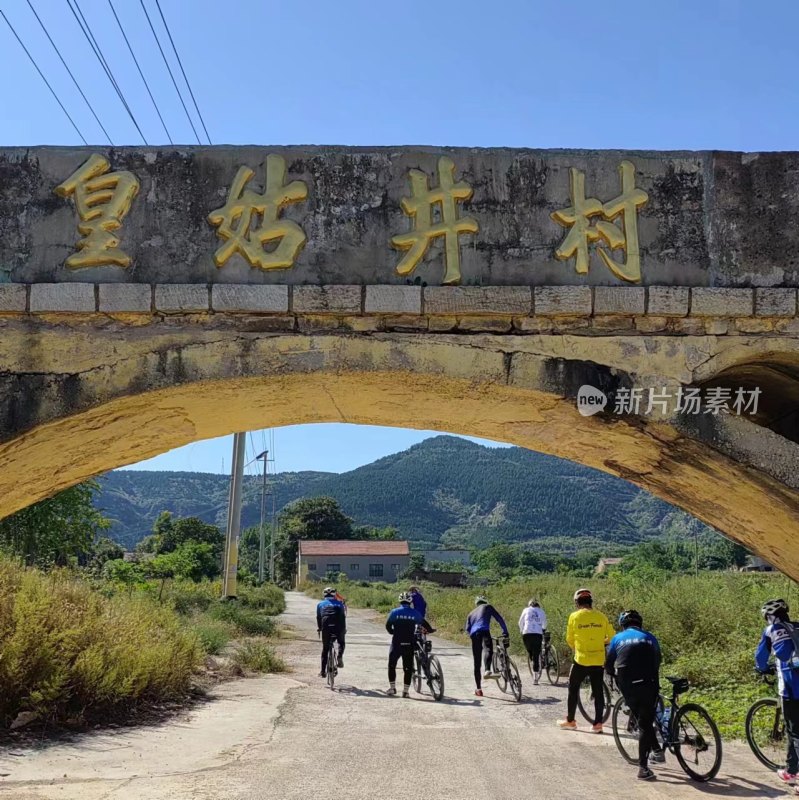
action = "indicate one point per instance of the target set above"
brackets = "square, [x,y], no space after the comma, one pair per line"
[687,731]
[765,729]
[332,661]
[585,700]
[426,666]
[548,660]
[505,672]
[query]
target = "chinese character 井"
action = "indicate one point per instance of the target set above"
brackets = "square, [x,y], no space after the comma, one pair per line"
[419,206]
[248,221]
[102,199]
[584,230]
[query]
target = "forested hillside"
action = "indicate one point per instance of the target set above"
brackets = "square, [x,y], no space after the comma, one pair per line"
[444,490]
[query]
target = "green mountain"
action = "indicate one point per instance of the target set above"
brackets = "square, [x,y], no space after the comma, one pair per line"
[443,491]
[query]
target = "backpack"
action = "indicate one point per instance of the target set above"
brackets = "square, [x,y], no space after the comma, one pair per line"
[794,632]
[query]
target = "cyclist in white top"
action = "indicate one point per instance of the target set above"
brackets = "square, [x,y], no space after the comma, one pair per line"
[532,624]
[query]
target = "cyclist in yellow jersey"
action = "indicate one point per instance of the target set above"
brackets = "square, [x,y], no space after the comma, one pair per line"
[587,633]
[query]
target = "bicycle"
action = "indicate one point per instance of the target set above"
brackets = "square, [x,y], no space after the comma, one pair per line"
[688,732]
[505,670]
[548,660]
[585,700]
[427,665]
[332,660]
[765,729]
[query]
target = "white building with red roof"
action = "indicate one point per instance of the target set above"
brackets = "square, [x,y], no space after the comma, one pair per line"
[358,560]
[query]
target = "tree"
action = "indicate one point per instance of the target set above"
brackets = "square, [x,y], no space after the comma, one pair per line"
[56,531]
[103,551]
[308,518]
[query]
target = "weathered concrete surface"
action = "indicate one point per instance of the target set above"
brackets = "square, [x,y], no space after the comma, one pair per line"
[244,746]
[712,219]
[77,400]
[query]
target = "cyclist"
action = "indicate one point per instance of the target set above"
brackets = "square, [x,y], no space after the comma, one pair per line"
[401,624]
[331,621]
[587,633]
[634,658]
[478,626]
[420,604]
[340,597]
[533,625]
[780,638]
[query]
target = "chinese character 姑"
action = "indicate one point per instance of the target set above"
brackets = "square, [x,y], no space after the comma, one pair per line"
[102,199]
[584,231]
[419,206]
[248,221]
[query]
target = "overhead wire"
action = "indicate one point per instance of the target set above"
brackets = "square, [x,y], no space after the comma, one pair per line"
[141,74]
[95,45]
[169,70]
[41,74]
[185,77]
[69,71]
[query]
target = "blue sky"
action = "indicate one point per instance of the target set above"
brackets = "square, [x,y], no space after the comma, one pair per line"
[717,74]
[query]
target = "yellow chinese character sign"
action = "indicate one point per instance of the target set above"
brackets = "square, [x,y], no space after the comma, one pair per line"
[584,230]
[250,221]
[102,199]
[419,206]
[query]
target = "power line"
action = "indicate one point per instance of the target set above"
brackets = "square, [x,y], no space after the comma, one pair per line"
[136,62]
[169,70]
[180,63]
[41,74]
[95,45]
[66,67]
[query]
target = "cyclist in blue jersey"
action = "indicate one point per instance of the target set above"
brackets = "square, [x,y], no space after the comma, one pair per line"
[634,658]
[331,620]
[478,626]
[780,638]
[401,624]
[420,604]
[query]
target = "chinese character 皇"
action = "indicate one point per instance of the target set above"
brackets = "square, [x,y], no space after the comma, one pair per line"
[419,206]
[583,231]
[248,220]
[102,199]
[717,400]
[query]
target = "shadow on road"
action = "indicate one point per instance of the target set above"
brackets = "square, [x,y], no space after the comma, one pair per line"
[727,785]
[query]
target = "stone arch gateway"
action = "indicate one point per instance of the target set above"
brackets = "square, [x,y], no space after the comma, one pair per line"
[160,297]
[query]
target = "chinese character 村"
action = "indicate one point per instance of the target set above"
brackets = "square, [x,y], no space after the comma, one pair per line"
[584,230]
[419,206]
[249,221]
[102,199]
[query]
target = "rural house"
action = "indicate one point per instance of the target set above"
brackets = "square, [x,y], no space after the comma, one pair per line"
[358,560]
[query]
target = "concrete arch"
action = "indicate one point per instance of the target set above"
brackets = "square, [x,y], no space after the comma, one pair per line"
[121,395]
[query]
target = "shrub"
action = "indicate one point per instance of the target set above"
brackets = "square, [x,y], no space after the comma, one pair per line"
[69,651]
[186,596]
[247,620]
[268,598]
[213,635]
[257,656]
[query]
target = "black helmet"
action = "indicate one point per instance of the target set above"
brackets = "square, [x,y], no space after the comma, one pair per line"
[480,600]
[630,618]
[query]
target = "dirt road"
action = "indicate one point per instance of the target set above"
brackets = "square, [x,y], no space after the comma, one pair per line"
[281,738]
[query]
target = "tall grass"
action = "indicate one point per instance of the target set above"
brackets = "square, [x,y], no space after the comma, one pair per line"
[708,625]
[68,652]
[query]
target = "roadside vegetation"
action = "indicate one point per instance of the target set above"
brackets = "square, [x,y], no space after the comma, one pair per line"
[89,637]
[708,624]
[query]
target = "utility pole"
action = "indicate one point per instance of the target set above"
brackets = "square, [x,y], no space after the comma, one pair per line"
[229,586]
[273,534]
[262,537]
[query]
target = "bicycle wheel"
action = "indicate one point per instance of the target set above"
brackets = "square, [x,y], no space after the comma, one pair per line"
[585,701]
[697,742]
[552,665]
[626,732]
[765,732]
[514,680]
[417,673]
[331,667]
[501,670]
[435,678]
